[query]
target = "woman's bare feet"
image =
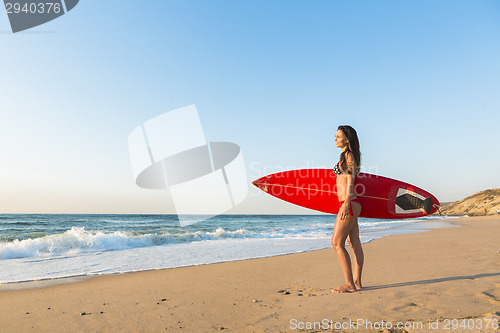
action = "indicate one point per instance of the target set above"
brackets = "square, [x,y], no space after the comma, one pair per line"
[358,286]
[345,289]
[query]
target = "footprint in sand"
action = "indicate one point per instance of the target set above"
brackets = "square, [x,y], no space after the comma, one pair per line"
[405,306]
[301,291]
[490,298]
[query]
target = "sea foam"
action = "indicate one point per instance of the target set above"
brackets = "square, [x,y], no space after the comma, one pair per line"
[78,240]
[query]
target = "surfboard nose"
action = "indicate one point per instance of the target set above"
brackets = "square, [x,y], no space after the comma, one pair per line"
[259,183]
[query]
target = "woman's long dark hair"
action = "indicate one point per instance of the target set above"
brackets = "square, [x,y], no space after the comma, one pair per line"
[352,146]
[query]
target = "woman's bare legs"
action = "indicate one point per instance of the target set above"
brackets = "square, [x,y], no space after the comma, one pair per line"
[359,257]
[348,229]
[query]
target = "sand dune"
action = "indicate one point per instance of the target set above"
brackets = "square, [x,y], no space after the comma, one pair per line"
[482,203]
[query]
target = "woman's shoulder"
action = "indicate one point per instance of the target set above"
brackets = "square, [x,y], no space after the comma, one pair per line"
[351,163]
[349,156]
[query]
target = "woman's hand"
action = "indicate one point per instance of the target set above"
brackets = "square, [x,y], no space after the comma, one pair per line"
[344,211]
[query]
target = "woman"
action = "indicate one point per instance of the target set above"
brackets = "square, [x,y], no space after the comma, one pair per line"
[346,224]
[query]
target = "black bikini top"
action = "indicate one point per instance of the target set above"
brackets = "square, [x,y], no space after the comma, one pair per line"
[336,169]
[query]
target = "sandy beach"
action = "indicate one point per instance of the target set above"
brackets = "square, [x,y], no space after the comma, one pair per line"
[424,281]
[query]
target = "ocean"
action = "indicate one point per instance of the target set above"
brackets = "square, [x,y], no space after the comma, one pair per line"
[40,246]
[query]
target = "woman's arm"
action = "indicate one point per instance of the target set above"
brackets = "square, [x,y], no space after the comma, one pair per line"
[351,176]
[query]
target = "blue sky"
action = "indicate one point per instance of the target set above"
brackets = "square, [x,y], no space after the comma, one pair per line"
[419,80]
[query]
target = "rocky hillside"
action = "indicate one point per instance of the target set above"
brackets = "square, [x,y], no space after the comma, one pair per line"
[482,203]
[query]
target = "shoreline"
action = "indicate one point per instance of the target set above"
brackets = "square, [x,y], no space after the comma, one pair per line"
[410,228]
[444,273]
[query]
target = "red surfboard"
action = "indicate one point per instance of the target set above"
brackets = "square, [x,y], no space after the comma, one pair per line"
[380,197]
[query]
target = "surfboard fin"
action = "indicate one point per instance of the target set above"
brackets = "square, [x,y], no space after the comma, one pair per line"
[428,205]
